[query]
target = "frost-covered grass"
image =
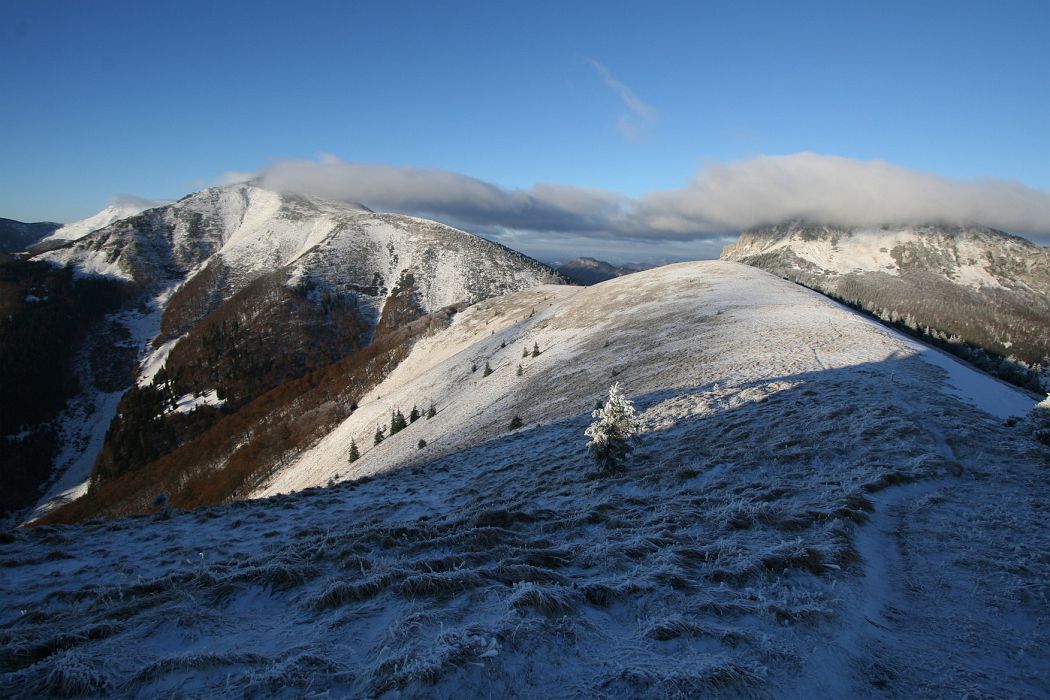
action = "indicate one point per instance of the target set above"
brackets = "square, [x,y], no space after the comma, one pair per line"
[794,522]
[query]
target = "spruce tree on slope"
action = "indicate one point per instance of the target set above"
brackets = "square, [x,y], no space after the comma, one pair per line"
[613,430]
[397,421]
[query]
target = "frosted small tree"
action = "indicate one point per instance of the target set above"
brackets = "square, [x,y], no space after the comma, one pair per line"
[612,431]
[355,454]
[1039,417]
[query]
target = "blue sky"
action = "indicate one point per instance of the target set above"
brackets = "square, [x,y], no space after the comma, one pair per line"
[158,99]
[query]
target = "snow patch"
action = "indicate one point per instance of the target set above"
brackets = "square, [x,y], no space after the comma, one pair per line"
[155,360]
[987,393]
[191,402]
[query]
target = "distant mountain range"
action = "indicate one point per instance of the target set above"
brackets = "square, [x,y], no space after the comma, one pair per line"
[17,236]
[980,293]
[588,271]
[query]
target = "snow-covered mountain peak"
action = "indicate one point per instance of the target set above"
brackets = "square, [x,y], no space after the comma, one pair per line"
[251,231]
[242,266]
[114,212]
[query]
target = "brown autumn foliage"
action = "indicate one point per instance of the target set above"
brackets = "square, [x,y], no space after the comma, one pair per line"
[264,335]
[200,294]
[241,450]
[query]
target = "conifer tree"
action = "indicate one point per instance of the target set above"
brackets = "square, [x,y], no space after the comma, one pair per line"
[535,349]
[380,434]
[413,416]
[397,421]
[613,430]
[516,423]
[488,370]
[432,411]
[421,444]
[354,453]
[525,351]
[521,370]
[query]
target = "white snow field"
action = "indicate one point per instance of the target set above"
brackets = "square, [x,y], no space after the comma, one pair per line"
[813,510]
[78,229]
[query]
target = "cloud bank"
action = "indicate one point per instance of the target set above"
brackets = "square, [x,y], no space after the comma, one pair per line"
[719,201]
[844,191]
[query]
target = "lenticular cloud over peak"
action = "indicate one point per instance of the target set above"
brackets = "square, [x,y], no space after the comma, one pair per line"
[845,191]
[720,199]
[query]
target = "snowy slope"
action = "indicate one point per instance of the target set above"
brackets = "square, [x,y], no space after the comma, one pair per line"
[813,510]
[342,249]
[978,293]
[587,334]
[79,229]
[969,256]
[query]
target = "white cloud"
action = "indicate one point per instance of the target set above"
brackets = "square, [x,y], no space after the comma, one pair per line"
[769,189]
[642,116]
[447,195]
[720,200]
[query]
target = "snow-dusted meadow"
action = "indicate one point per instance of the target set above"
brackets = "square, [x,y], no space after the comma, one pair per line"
[817,507]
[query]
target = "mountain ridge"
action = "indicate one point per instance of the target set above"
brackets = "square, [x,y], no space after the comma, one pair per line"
[978,292]
[815,504]
[18,236]
[223,270]
[585,270]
